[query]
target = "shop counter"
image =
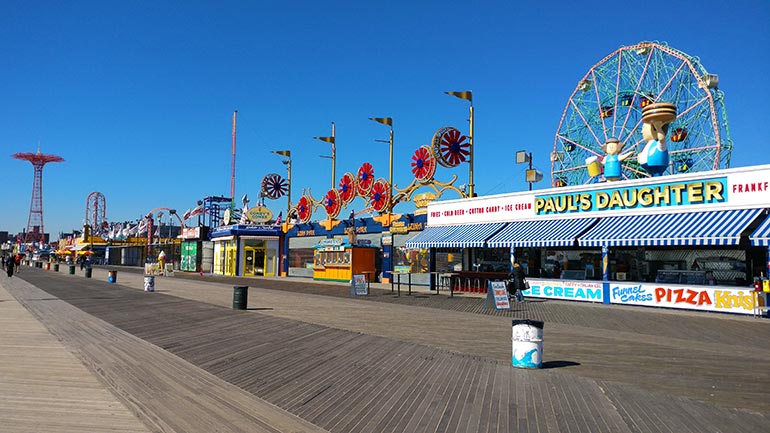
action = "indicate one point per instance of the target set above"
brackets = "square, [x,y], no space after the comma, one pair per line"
[470,281]
[337,260]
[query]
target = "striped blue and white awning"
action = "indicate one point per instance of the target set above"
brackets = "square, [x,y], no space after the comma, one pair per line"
[429,237]
[468,236]
[761,236]
[458,236]
[692,228]
[544,233]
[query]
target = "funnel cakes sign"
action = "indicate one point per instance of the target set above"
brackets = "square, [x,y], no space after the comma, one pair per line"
[742,188]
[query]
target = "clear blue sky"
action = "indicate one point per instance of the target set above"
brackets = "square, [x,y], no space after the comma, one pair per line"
[138,96]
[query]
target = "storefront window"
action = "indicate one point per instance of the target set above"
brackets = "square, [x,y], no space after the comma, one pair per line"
[491,259]
[301,258]
[449,260]
[702,266]
[415,259]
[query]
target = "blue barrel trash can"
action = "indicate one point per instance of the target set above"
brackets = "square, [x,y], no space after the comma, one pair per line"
[527,343]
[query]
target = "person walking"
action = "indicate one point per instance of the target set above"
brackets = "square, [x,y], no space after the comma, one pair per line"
[516,283]
[9,265]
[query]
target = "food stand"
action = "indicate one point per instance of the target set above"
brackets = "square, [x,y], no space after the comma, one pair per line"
[338,260]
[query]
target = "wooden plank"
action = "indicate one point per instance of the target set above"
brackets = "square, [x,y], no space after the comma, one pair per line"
[304,367]
[168,394]
[43,387]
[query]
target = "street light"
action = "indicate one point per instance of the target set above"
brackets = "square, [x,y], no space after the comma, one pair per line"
[170,222]
[468,96]
[532,175]
[160,226]
[287,162]
[388,121]
[331,140]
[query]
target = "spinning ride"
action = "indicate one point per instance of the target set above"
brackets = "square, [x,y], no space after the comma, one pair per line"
[607,104]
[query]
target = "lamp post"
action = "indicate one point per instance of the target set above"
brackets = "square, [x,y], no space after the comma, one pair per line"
[287,162]
[388,121]
[170,223]
[532,175]
[468,96]
[331,140]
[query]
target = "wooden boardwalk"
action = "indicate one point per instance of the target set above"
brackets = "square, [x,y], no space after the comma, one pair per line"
[411,364]
[44,388]
[165,393]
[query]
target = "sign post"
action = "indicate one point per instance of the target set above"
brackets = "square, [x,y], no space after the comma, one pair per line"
[358,285]
[497,293]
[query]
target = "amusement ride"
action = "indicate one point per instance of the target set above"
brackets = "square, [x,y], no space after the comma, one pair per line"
[606,107]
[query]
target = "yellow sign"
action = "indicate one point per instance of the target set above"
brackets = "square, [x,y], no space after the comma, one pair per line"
[402,227]
[696,192]
[259,214]
[422,200]
[398,227]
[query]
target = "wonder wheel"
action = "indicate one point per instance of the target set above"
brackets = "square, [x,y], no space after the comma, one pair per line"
[607,103]
[96,206]
[274,186]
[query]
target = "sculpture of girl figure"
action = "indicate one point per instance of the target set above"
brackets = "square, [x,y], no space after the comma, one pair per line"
[656,117]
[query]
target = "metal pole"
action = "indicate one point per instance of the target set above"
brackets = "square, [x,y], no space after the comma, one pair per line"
[471,186]
[334,155]
[288,194]
[530,167]
[390,179]
[605,263]
[232,173]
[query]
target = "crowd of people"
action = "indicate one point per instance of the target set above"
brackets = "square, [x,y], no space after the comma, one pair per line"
[12,262]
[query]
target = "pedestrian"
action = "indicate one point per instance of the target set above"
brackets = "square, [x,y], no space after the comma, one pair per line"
[9,265]
[16,262]
[516,283]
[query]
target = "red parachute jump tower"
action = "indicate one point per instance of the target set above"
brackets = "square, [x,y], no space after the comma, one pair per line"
[35,230]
